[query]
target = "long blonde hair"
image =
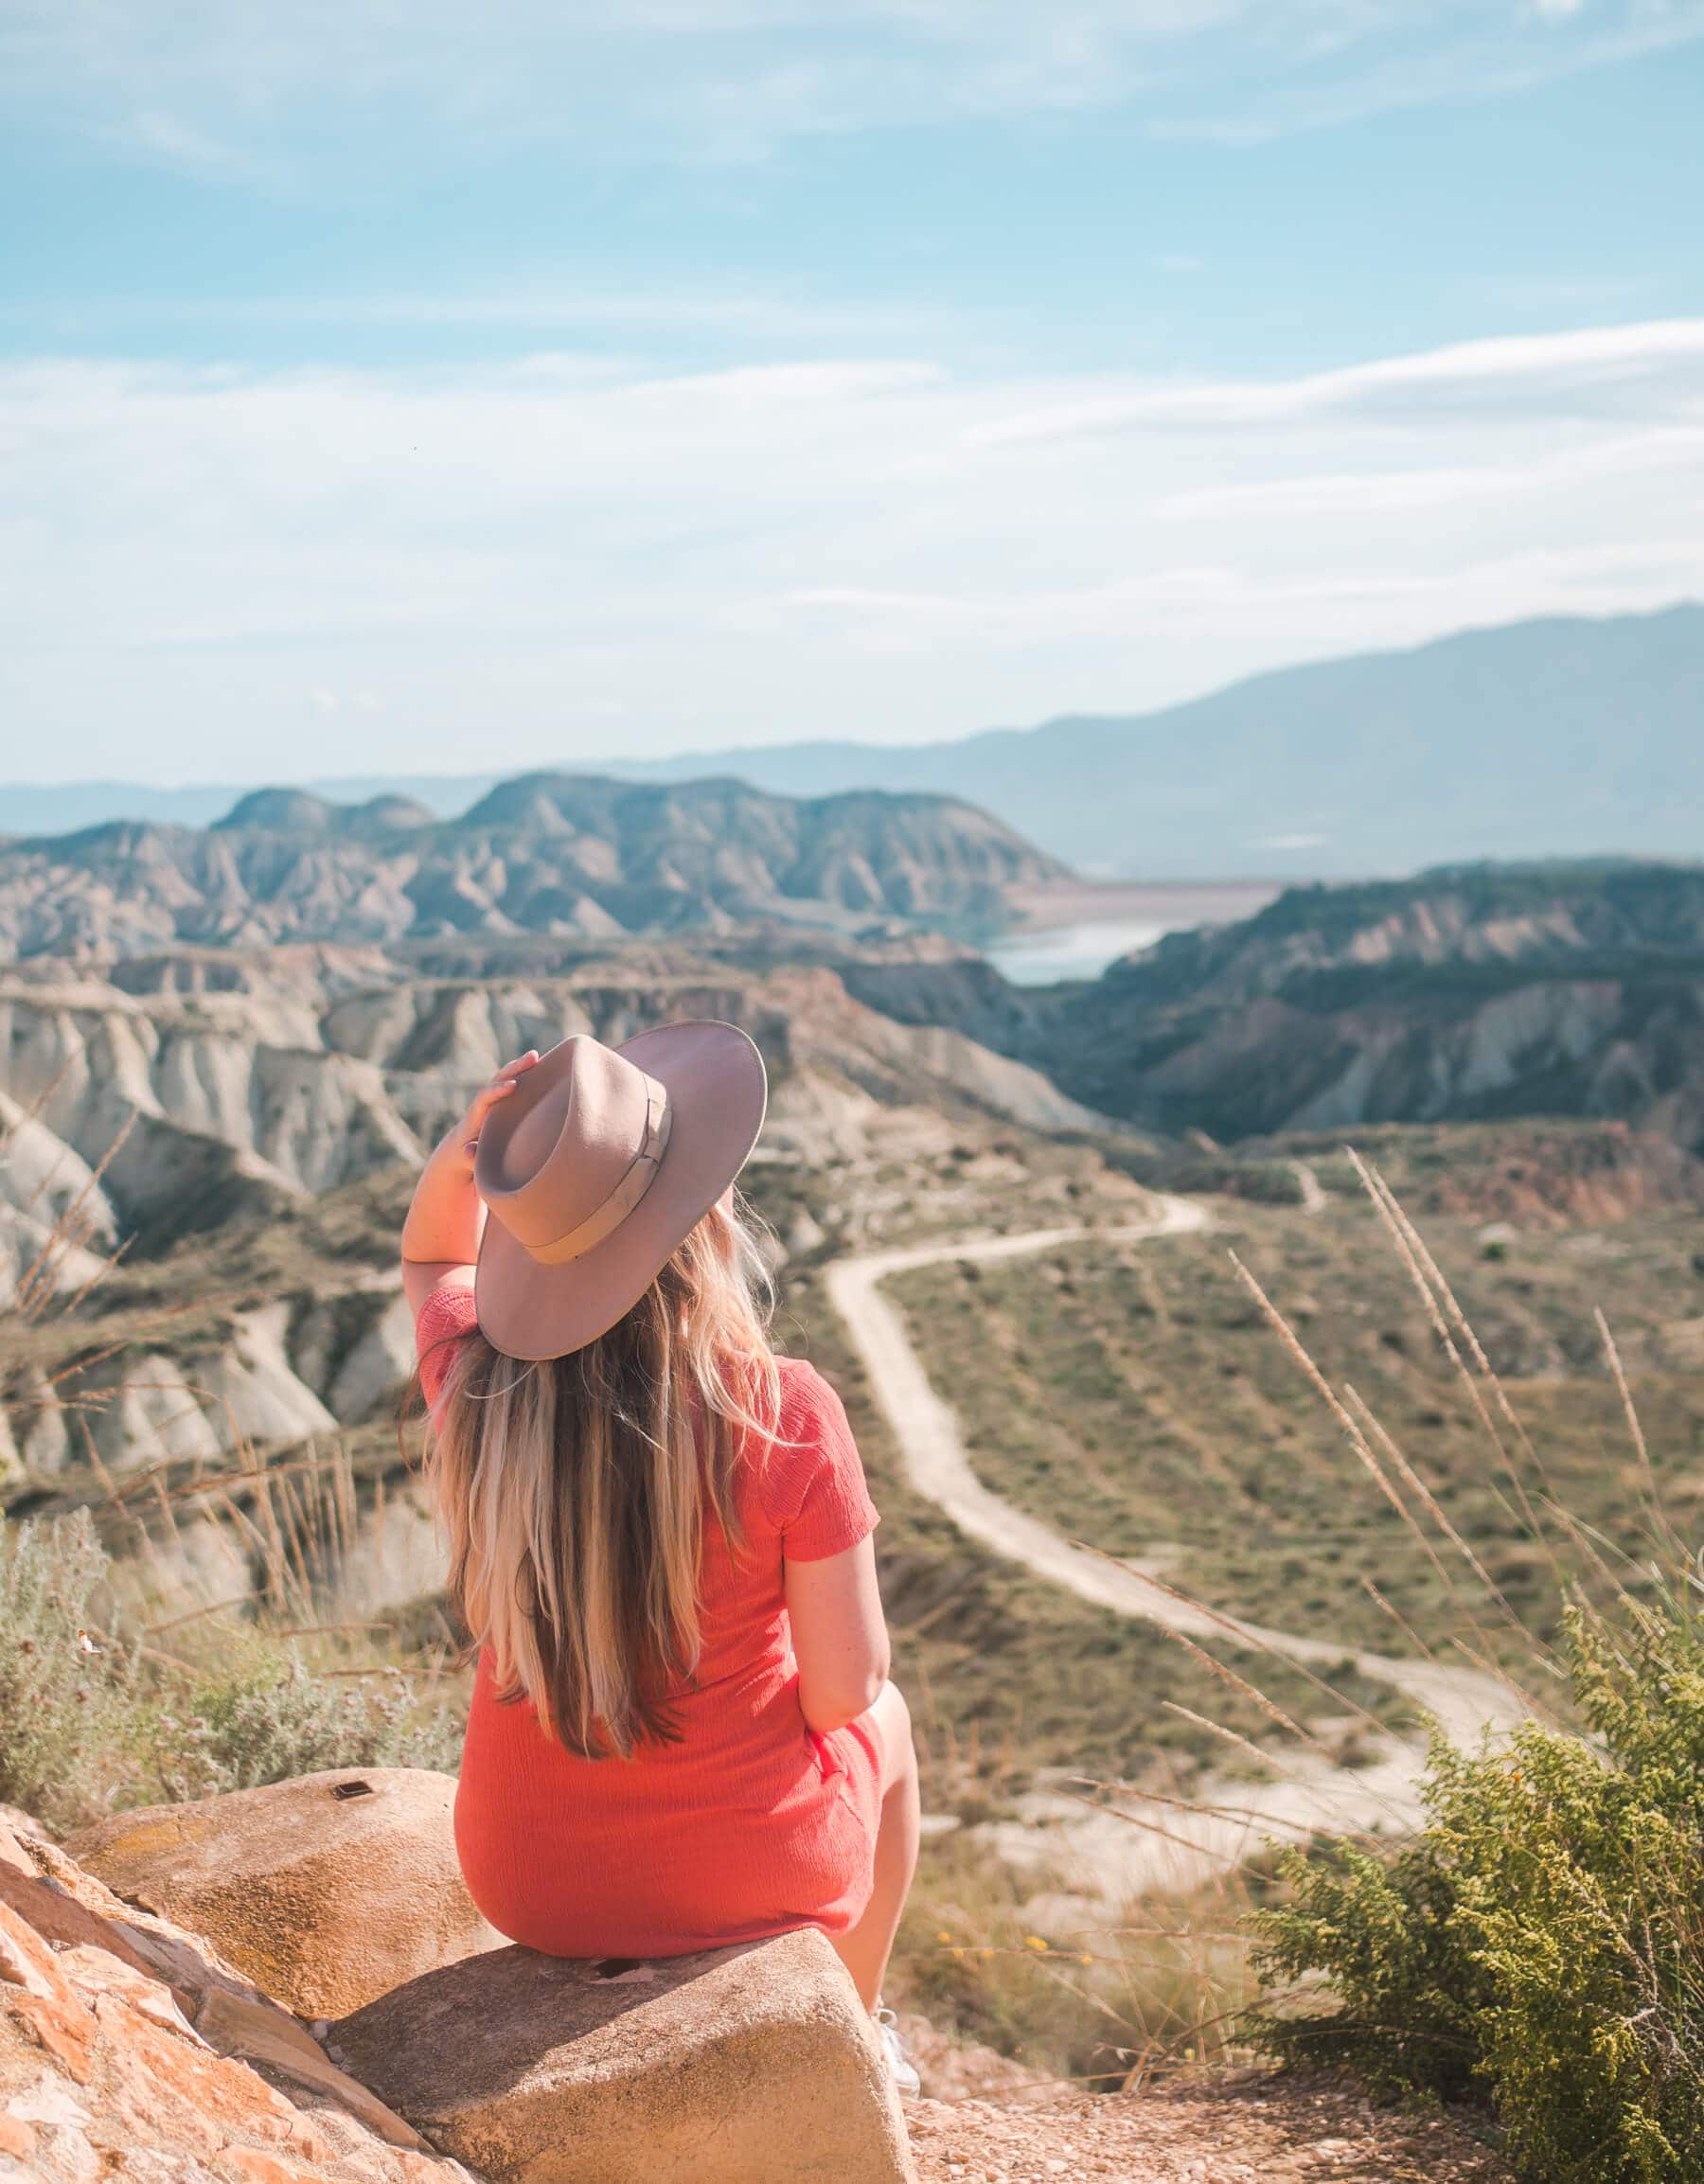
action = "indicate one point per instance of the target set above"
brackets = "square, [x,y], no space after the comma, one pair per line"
[576,1491]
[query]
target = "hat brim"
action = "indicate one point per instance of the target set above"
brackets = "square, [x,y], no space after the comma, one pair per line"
[717,1089]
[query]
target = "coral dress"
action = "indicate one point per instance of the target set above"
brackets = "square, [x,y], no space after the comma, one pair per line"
[751,1825]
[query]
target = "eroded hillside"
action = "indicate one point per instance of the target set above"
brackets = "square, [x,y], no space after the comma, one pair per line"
[241,1131]
[1571,990]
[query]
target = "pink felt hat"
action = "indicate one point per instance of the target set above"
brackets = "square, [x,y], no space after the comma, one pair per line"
[596,1167]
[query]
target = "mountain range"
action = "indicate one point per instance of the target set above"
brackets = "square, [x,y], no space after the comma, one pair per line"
[1560,737]
[575,857]
[1553,737]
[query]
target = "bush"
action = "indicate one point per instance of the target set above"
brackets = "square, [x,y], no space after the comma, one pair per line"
[268,1717]
[1542,1938]
[89,1724]
[67,1698]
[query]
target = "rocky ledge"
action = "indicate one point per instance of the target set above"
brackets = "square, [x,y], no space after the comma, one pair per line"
[145,2038]
[145,1971]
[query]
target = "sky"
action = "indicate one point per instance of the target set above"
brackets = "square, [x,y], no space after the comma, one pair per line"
[416,388]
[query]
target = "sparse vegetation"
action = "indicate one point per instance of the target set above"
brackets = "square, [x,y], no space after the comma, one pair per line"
[1136,1398]
[1109,2008]
[71,1706]
[94,1719]
[1538,1943]
[1542,1939]
[1539,1939]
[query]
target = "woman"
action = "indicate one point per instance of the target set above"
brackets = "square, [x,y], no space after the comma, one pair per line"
[682,1731]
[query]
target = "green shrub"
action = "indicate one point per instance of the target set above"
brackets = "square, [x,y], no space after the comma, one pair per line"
[1542,1937]
[266,1716]
[66,1696]
[90,1723]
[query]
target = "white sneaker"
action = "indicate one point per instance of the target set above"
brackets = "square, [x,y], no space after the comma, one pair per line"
[901,2070]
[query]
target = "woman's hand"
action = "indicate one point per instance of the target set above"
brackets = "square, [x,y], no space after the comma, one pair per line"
[466,1133]
[440,1238]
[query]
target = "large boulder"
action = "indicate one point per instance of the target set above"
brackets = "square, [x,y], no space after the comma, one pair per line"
[750,2065]
[130,2052]
[328,1890]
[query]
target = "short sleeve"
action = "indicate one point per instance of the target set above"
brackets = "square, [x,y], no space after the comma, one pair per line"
[815,1482]
[445,1316]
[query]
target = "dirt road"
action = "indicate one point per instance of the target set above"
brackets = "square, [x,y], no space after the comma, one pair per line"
[1306,1792]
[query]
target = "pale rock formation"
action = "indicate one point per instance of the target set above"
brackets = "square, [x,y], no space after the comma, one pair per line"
[328,1890]
[1002,1087]
[752,2064]
[44,1177]
[814,1119]
[396,1556]
[141,1410]
[219,1107]
[804,1235]
[458,1030]
[34,1258]
[253,1393]
[377,1365]
[38,1425]
[188,1564]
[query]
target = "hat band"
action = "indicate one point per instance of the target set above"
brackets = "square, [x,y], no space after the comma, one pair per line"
[627,1194]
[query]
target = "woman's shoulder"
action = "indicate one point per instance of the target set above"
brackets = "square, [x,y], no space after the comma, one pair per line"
[812,1432]
[812,1482]
[448,1312]
[806,1399]
[443,1320]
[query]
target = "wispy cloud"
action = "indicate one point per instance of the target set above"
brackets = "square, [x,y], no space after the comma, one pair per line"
[1651,371]
[863,546]
[732,79]
[158,136]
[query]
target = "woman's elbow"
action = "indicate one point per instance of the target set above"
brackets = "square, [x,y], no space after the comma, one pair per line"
[833,1707]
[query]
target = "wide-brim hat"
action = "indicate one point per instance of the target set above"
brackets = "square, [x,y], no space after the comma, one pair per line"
[596,1167]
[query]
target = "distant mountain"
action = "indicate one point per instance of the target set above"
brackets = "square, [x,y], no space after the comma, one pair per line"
[32,808]
[575,855]
[1547,739]
[1466,993]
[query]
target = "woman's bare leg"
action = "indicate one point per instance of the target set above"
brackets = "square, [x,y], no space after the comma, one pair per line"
[864,1949]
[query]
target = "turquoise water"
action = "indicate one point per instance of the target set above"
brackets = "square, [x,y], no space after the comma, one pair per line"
[1071,950]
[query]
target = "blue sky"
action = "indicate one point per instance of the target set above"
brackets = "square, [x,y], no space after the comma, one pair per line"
[421,387]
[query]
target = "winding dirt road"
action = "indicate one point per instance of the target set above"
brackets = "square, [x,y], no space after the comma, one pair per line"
[1308,1792]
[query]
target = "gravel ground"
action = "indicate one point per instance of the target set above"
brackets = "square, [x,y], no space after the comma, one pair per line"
[1247,2129]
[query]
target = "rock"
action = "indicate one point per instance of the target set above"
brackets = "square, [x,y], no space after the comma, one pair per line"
[44,1439]
[806,1234]
[259,2031]
[128,2051]
[255,1394]
[142,1411]
[190,1564]
[328,1890]
[395,1556]
[44,1177]
[378,1366]
[36,1264]
[750,2065]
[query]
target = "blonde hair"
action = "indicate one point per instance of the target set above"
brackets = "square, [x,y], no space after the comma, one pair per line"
[574,1491]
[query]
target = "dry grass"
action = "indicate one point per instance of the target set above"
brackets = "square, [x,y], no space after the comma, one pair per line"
[1174,1982]
[121,1683]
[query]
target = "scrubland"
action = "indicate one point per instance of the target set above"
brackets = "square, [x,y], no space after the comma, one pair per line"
[1534,1944]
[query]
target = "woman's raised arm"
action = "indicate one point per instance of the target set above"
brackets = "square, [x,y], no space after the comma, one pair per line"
[440,1237]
